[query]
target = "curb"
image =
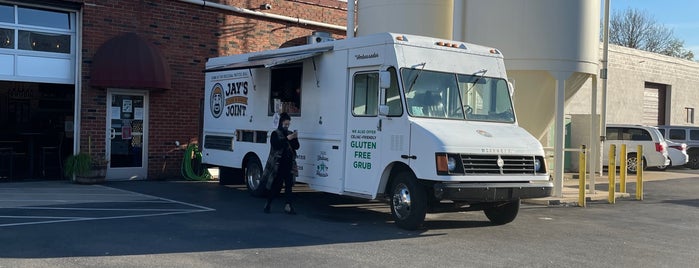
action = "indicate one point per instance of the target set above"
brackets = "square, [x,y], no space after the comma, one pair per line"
[599,197]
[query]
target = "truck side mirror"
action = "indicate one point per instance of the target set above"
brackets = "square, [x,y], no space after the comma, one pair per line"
[384,79]
[511,87]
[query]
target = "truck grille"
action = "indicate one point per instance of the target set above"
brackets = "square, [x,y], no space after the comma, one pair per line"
[488,164]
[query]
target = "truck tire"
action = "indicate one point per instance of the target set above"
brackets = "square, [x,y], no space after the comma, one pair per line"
[253,176]
[502,213]
[693,160]
[408,201]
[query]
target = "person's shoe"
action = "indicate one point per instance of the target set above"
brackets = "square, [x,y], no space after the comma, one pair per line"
[289,209]
[267,207]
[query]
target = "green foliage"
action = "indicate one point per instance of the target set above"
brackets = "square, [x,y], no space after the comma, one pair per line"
[79,165]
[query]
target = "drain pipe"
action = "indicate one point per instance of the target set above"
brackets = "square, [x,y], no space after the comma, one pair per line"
[350,19]
[264,15]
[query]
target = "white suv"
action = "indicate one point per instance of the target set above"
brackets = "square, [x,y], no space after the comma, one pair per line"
[654,146]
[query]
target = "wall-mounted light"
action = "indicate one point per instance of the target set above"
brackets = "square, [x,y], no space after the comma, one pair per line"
[266,6]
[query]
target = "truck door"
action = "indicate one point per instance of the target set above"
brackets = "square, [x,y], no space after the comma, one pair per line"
[363,140]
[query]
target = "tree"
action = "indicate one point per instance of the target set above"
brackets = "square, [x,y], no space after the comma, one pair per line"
[637,29]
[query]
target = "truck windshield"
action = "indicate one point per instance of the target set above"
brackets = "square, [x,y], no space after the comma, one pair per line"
[457,96]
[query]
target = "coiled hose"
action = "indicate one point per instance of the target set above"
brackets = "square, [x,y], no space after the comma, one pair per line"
[192,153]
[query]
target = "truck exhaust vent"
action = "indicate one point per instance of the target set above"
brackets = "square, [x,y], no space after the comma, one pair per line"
[319,37]
[494,164]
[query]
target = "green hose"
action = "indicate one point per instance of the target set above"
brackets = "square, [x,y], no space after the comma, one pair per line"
[187,170]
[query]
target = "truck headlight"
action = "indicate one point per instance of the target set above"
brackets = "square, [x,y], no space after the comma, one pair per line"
[539,165]
[448,164]
[451,163]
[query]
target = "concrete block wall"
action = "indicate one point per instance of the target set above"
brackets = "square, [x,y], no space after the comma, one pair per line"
[629,70]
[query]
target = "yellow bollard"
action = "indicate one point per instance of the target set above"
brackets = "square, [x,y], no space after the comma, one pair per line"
[639,173]
[581,178]
[612,173]
[622,169]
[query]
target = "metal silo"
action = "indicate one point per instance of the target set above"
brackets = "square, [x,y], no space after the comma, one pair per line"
[419,17]
[542,41]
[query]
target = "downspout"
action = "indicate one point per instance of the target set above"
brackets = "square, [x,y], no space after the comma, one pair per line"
[350,19]
[205,3]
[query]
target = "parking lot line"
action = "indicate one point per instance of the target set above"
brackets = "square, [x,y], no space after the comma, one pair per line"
[57,202]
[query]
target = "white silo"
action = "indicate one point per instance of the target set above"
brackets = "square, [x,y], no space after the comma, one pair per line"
[542,41]
[419,17]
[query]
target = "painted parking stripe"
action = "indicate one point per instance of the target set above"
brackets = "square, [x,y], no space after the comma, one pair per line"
[67,198]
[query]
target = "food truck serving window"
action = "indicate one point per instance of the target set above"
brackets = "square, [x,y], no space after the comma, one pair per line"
[285,93]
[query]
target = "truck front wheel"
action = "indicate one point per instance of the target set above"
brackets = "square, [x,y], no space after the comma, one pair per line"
[408,201]
[253,175]
[502,213]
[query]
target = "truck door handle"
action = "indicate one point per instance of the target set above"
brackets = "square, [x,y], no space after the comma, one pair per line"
[405,156]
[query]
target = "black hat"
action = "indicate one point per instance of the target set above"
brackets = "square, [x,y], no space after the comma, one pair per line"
[283,117]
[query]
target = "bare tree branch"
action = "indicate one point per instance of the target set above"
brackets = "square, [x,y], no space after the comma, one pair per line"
[638,29]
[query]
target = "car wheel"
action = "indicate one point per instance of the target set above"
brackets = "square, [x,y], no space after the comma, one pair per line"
[663,168]
[502,213]
[693,161]
[632,163]
[408,201]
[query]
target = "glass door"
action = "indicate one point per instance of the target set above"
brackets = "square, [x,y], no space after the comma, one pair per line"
[127,122]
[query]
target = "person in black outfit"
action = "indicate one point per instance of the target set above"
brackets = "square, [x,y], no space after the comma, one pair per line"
[284,144]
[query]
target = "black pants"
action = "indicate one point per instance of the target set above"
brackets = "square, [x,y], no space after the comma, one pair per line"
[283,178]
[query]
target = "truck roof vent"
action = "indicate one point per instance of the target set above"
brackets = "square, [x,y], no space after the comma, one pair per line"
[319,37]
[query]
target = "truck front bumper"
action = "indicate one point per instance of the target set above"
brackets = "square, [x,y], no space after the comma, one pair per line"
[501,191]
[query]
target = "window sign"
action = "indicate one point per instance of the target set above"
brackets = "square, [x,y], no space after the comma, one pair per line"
[127,106]
[116,113]
[138,113]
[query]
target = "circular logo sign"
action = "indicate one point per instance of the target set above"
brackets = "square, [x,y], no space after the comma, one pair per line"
[217,101]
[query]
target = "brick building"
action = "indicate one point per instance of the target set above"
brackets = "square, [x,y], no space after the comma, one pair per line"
[123,78]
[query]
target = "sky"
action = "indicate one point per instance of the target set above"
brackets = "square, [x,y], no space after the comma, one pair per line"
[679,15]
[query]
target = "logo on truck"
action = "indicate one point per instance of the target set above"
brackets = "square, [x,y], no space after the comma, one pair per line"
[217,100]
[230,96]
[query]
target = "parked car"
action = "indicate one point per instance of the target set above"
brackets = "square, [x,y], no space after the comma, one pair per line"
[684,134]
[677,153]
[654,146]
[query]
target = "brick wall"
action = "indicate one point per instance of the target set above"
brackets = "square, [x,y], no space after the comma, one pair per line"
[187,36]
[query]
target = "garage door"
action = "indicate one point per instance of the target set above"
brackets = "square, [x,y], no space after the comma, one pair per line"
[654,104]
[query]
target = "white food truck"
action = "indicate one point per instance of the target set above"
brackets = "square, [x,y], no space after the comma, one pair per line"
[424,122]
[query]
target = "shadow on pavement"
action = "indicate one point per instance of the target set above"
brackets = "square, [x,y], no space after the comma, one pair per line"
[236,221]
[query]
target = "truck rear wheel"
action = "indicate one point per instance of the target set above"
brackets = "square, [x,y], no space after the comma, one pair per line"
[253,176]
[408,201]
[502,213]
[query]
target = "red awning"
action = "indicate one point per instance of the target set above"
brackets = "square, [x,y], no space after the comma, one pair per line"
[128,61]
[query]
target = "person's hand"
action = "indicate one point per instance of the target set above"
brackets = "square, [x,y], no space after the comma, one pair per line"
[293,135]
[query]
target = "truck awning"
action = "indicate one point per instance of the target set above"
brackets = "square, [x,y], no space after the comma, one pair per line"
[267,61]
